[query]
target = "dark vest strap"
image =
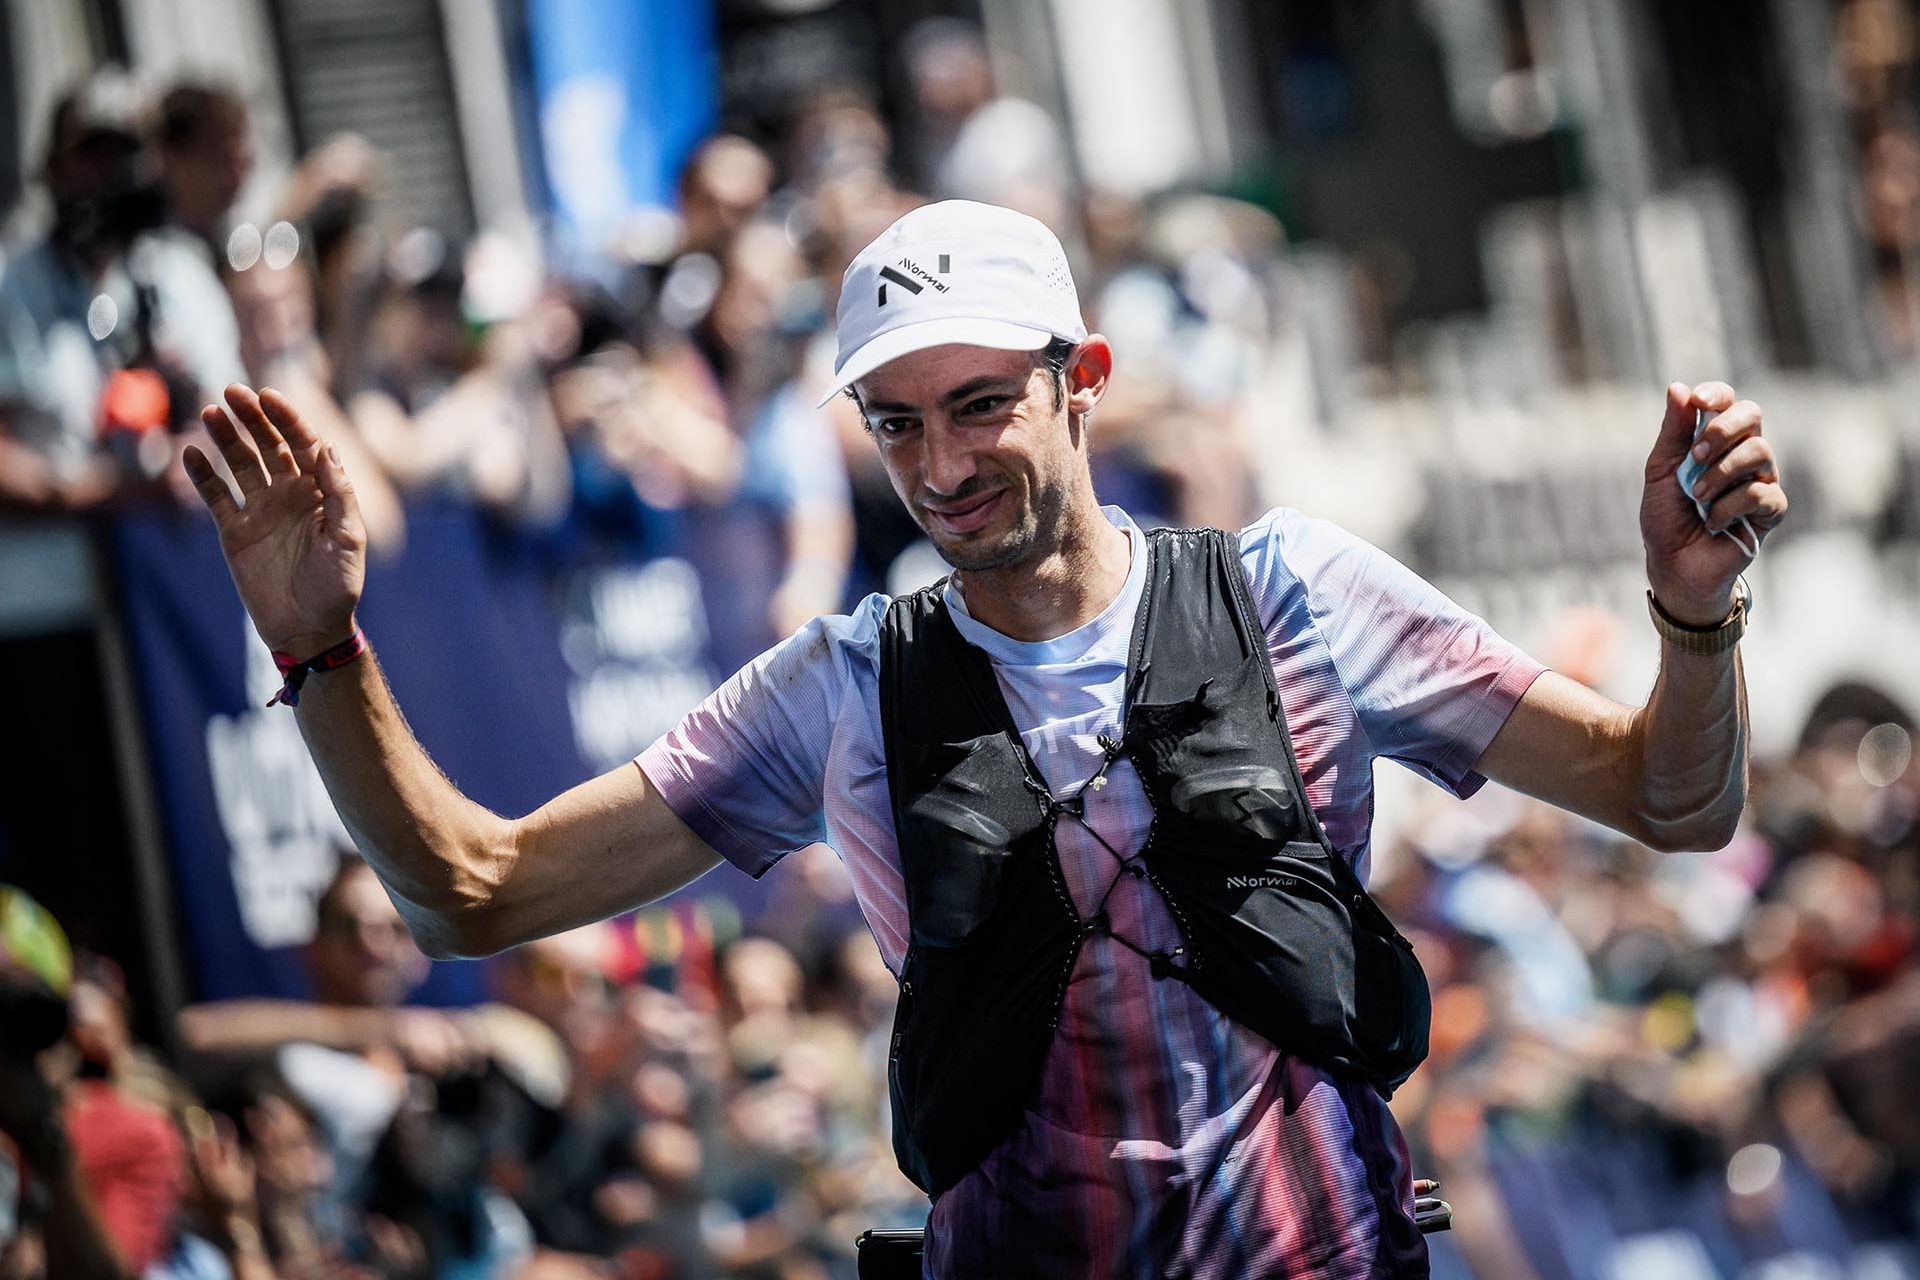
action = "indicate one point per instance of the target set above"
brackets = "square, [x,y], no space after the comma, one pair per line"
[993,934]
[1278,932]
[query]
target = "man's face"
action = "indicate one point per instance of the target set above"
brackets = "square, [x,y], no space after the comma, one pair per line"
[204,177]
[361,953]
[725,190]
[978,447]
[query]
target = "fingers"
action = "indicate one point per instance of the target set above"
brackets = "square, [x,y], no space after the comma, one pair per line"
[1714,397]
[292,426]
[1728,428]
[275,456]
[207,482]
[242,460]
[1676,431]
[1761,503]
[1750,458]
[340,504]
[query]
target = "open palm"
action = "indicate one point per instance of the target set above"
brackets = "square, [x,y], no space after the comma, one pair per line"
[294,541]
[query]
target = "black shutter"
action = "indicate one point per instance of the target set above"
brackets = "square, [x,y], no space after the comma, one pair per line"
[379,68]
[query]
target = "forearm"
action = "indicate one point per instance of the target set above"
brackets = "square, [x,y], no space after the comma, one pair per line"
[1691,739]
[28,482]
[240,1026]
[440,855]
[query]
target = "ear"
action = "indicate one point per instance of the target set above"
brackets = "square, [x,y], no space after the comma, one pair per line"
[1087,373]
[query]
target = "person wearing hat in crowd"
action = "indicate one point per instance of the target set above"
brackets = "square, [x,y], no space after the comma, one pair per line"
[60,339]
[88,1176]
[1103,793]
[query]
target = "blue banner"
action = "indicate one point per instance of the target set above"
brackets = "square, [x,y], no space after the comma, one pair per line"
[625,91]
[517,685]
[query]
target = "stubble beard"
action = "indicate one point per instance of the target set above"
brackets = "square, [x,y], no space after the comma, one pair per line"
[1020,544]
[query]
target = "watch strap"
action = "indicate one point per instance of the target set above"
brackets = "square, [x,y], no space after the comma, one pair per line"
[1701,641]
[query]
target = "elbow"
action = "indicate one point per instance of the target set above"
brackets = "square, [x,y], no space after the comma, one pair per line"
[1691,838]
[442,938]
[445,944]
[1688,810]
[1703,831]
[471,930]
[465,918]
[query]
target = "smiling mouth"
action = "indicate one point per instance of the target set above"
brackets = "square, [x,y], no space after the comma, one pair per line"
[968,516]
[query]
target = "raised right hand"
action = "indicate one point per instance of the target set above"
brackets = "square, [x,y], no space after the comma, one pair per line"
[294,542]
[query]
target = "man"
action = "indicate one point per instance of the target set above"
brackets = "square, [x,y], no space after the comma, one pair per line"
[66,339]
[62,303]
[346,1052]
[202,141]
[1155,1135]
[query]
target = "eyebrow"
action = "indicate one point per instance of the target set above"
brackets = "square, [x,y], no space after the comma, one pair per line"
[965,391]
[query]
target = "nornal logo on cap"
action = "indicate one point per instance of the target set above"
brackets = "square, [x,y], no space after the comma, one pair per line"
[901,294]
[910,284]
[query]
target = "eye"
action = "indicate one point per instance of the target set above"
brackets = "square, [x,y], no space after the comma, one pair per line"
[985,405]
[892,428]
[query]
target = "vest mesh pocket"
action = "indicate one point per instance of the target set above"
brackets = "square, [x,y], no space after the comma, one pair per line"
[962,830]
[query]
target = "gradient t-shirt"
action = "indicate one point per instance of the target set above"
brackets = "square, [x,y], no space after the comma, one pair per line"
[1161,1135]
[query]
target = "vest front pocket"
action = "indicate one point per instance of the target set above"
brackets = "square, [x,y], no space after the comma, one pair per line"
[1214,789]
[959,833]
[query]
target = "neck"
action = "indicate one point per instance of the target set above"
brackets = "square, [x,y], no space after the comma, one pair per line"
[1064,589]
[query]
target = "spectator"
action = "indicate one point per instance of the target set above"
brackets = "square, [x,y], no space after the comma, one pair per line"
[331,196]
[280,348]
[458,405]
[303,1229]
[406,1161]
[346,1053]
[723,186]
[784,540]
[56,1219]
[201,140]
[54,298]
[976,143]
[219,1237]
[646,433]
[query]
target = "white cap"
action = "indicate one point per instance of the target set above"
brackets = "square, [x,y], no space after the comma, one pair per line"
[956,271]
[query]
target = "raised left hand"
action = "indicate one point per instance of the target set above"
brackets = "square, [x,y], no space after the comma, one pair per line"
[1690,568]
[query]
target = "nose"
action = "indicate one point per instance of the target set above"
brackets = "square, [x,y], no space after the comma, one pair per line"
[949,462]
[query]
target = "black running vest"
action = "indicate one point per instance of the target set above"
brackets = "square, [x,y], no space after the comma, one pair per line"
[1276,930]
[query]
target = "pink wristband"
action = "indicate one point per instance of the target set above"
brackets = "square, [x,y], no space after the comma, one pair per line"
[294,673]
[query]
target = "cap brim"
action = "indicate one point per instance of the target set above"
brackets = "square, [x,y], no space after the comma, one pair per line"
[1000,335]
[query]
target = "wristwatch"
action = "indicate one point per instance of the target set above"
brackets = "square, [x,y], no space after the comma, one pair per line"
[1705,641]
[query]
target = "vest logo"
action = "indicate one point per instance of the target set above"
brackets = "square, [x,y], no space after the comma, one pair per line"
[912,285]
[1265,881]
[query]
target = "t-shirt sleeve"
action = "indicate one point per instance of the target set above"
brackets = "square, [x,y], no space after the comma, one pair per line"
[1430,683]
[746,768]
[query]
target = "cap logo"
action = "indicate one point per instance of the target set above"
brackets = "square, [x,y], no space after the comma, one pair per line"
[909,283]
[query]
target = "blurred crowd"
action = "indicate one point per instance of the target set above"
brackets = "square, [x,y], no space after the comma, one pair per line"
[1721,1044]
[1627,1043]
[659,400]
[683,1093]
[657,1097]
